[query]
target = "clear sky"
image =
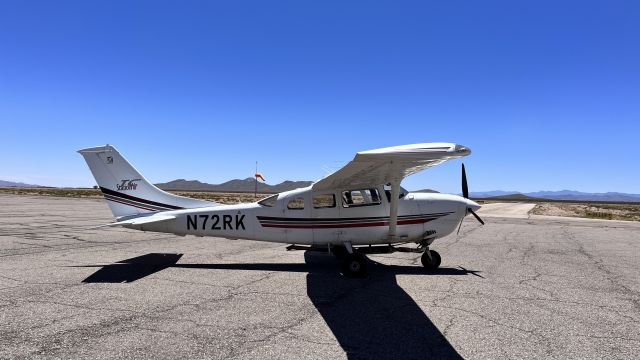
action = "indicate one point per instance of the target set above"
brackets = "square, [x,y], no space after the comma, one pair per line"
[545,93]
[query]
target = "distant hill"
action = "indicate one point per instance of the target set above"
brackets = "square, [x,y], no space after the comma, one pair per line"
[485,194]
[514,197]
[247,185]
[15,184]
[236,185]
[569,195]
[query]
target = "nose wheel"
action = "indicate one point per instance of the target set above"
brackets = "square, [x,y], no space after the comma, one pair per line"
[431,259]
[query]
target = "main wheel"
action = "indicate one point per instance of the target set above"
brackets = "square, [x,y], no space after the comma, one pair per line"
[354,265]
[432,262]
[340,252]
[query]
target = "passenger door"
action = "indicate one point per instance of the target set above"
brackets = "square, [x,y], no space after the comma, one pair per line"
[364,216]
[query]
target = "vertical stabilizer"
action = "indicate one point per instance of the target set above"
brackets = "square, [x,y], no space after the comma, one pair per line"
[127,192]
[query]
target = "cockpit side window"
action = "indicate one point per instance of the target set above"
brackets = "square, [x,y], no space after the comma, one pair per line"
[269,201]
[361,197]
[324,201]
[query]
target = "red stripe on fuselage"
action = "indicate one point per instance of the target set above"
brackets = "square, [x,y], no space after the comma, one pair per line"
[347,225]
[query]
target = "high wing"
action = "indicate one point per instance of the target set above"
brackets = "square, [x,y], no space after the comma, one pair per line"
[390,165]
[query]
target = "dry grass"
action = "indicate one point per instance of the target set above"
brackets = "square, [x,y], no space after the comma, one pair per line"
[629,212]
[61,192]
[223,198]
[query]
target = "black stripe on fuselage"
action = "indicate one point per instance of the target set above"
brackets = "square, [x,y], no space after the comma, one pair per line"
[134,203]
[131,200]
[130,203]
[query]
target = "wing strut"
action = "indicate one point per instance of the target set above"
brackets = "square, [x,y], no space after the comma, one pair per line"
[393,211]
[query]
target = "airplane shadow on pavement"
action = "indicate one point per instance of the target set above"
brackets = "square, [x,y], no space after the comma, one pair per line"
[375,318]
[133,269]
[370,318]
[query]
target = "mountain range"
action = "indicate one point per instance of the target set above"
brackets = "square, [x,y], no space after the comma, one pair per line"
[236,185]
[561,195]
[15,184]
[248,184]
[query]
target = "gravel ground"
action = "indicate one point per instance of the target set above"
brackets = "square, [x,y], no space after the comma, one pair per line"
[515,288]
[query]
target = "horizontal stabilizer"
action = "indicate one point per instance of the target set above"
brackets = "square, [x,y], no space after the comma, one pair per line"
[143,220]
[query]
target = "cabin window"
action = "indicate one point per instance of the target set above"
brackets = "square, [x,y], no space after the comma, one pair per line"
[363,197]
[324,201]
[296,204]
[269,202]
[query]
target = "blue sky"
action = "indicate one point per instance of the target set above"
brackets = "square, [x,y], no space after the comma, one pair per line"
[545,93]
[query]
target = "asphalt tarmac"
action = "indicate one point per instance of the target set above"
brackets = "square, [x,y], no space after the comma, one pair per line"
[524,288]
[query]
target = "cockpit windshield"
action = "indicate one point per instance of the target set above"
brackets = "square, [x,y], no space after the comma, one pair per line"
[387,191]
[269,201]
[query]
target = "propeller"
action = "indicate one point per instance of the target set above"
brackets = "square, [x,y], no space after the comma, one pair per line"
[476,216]
[465,187]
[465,194]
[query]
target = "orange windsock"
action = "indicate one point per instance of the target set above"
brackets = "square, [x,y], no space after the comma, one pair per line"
[259,176]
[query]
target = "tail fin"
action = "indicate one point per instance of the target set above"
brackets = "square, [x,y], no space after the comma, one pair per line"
[127,191]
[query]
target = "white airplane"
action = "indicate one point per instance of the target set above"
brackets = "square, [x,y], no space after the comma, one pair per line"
[359,209]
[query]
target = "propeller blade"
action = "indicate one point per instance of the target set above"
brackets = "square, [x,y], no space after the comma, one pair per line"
[465,188]
[476,216]
[459,226]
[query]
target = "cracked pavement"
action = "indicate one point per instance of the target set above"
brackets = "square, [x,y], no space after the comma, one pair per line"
[515,288]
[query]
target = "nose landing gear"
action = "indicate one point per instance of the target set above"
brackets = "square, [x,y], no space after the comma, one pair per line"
[431,259]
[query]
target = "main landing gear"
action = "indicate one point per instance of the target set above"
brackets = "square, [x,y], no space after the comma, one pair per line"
[354,264]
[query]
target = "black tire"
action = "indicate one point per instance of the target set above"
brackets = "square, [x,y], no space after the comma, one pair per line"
[433,262]
[354,265]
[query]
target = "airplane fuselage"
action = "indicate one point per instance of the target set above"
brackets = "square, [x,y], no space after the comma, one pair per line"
[305,217]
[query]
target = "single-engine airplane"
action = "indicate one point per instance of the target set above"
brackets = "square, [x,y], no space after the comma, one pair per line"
[359,209]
